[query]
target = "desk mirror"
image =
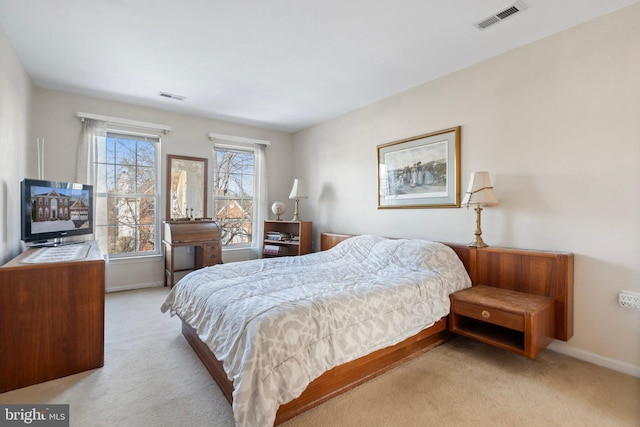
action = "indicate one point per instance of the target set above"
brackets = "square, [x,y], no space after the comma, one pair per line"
[186,187]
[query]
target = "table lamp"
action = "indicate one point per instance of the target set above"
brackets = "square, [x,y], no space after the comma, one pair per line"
[479,193]
[297,192]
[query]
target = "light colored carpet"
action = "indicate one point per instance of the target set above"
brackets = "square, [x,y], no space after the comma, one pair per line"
[152,377]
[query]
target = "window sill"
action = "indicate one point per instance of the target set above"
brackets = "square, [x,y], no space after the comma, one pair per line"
[236,248]
[136,259]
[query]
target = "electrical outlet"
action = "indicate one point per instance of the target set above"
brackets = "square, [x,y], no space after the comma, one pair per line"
[629,299]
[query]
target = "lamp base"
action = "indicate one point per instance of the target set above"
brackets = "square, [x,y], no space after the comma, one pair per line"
[477,243]
[296,215]
[477,240]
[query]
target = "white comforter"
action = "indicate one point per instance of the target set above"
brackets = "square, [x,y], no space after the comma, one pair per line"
[277,324]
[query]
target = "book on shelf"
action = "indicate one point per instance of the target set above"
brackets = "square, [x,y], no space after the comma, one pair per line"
[279,236]
[275,250]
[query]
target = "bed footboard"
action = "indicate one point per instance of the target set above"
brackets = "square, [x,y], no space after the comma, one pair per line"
[339,379]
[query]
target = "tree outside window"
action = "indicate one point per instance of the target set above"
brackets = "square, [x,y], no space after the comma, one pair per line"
[233,194]
[126,193]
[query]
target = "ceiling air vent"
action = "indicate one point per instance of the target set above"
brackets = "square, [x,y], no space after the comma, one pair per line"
[172,96]
[501,15]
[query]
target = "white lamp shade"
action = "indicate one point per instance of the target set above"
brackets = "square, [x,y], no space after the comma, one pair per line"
[480,191]
[298,191]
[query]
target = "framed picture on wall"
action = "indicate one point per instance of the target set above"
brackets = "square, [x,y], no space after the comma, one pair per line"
[420,172]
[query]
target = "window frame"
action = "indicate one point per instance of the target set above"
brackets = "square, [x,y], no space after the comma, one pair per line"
[253,199]
[157,199]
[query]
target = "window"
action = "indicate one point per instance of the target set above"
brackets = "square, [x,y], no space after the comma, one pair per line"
[126,193]
[234,184]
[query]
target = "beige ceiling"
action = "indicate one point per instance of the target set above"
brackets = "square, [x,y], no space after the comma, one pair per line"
[279,64]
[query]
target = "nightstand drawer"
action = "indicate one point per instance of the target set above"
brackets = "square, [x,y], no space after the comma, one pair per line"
[490,315]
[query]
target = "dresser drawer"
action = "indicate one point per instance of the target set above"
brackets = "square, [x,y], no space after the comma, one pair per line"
[494,316]
[211,247]
[211,258]
[211,254]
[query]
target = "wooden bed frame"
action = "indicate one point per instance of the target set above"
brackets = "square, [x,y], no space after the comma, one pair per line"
[536,272]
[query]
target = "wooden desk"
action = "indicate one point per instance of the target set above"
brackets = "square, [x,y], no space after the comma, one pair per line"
[204,236]
[51,319]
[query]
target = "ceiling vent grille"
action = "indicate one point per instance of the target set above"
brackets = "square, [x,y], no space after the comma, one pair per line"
[517,7]
[172,96]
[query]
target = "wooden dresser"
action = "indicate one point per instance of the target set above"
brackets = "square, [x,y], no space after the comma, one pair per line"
[203,235]
[51,318]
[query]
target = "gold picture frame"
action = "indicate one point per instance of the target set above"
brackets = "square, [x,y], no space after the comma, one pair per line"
[420,172]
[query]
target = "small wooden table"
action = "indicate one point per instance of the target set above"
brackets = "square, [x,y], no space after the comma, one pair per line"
[204,235]
[515,321]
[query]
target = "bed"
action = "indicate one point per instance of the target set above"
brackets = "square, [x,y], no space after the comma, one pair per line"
[270,377]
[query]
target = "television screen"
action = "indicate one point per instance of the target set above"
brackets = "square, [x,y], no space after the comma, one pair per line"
[54,210]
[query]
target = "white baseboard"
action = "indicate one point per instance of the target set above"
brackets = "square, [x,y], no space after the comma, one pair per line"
[134,286]
[616,365]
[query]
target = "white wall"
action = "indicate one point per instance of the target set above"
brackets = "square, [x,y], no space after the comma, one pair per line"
[55,119]
[557,124]
[15,105]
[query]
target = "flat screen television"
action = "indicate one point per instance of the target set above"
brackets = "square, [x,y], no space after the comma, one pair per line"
[52,211]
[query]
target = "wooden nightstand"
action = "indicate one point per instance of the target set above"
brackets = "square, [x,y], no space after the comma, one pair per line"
[515,321]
